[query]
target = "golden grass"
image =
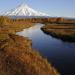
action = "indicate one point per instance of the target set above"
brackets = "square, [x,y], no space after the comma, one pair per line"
[65,32]
[18,58]
[16,54]
[62,29]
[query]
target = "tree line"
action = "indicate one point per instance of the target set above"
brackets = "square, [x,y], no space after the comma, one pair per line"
[7,20]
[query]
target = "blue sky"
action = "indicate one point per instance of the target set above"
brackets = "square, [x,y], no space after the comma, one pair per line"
[64,8]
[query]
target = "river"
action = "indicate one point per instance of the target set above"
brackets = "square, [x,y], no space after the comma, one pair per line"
[59,53]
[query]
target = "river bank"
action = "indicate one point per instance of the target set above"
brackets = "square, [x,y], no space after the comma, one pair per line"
[59,53]
[65,32]
[17,56]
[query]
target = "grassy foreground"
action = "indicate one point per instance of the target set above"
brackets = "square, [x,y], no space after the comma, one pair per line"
[66,32]
[16,54]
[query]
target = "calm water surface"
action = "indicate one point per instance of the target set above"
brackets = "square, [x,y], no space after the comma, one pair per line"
[60,54]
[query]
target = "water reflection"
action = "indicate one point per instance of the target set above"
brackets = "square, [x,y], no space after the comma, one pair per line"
[60,54]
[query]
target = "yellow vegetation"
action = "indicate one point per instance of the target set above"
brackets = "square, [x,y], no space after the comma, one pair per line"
[65,32]
[16,54]
[18,58]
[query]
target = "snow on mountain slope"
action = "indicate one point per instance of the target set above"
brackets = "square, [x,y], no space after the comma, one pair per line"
[24,10]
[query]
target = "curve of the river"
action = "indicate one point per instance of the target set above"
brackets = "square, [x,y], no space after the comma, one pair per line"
[60,54]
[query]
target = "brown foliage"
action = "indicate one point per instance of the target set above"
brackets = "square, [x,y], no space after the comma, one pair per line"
[66,32]
[8,21]
[16,54]
[18,58]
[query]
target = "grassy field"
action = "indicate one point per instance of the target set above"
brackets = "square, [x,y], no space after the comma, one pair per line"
[66,32]
[16,54]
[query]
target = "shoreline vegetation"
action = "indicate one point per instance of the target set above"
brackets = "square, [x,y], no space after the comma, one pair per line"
[16,54]
[65,32]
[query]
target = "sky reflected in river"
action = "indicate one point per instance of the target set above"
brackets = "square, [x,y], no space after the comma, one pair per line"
[60,54]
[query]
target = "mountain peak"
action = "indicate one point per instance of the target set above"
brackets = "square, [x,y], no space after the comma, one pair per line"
[23,5]
[24,10]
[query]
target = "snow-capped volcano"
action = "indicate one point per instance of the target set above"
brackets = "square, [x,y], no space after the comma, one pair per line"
[24,10]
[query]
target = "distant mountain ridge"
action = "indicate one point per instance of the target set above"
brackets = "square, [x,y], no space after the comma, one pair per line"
[24,10]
